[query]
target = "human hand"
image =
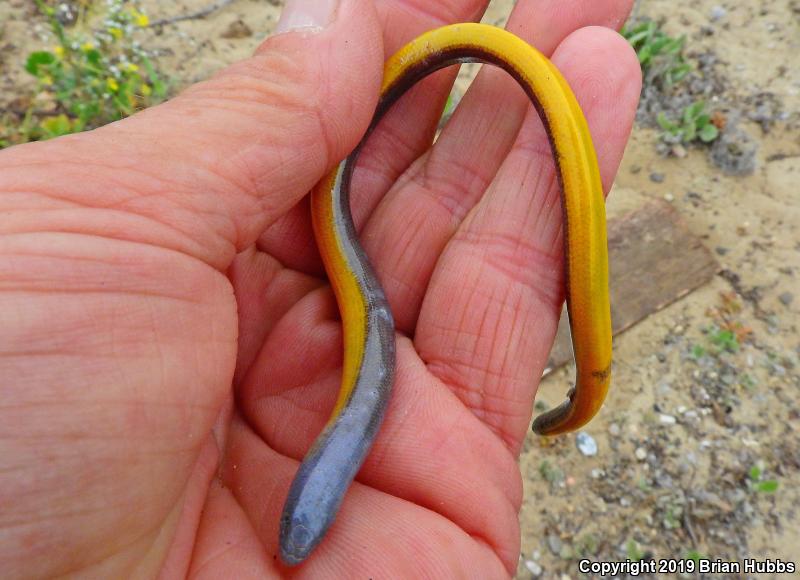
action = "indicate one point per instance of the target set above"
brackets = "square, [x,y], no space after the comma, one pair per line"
[166,320]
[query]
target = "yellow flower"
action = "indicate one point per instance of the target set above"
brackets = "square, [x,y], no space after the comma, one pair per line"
[59,51]
[141,19]
[87,46]
[146,90]
[115,32]
[130,67]
[112,85]
[47,80]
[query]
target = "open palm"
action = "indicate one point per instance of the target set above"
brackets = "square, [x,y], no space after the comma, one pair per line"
[149,266]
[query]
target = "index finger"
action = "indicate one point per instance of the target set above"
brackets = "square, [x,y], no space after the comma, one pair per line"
[406,131]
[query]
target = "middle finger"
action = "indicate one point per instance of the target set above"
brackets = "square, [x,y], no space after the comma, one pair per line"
[423,210]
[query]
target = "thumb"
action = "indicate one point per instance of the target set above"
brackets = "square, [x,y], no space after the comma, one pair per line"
[211,169]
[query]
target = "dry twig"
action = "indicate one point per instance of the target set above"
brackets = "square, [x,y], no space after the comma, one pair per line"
[211,8]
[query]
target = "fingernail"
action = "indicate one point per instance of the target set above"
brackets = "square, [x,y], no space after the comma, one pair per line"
[306,15]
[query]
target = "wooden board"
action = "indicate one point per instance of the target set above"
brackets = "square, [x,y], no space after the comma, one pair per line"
[654,260]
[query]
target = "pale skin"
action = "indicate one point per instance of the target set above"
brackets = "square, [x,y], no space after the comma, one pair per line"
[170,347]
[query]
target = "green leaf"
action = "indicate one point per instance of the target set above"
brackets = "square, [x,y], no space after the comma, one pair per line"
[708,133]
[726,340]
[754,473]
[695,555]
[767,486]
[41,58]
[633,550]
[86,111]
[93,57]
[56,126]
[689,132]
[449,106]
[638,33]
[659,44]
[637,37]
[675,45]
[665,123]
[691,112]
[644,54]
[159,87]
[677,73]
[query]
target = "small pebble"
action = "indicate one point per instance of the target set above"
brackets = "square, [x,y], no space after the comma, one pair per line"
[636,169]
[718,12]
[656,177]
[597,473]
[669,197]
[554,543]
[600,505]
[667,419]
[695,197]
[786,298]
[721,251]
[614,430]
[533,568]
[679,151]
[237,29]
[640,453]
[586,444]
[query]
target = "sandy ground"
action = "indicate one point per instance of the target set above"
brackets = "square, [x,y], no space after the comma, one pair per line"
[684,423]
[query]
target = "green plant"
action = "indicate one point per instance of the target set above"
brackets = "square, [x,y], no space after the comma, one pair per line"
[449,108]
[724,340]
[748,382]
[672,517]
[90,77]
[587,545]
[698,352]
[719,340]
[695,124]
[634,551]
[756,481]
[696,556]
[660,55]
[551,473]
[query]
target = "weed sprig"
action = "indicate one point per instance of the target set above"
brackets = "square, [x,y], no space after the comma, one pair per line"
[89,77]
[695,123]
[663,64]
[660,55]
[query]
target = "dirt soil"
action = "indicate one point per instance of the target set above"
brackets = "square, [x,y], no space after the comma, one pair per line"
[687,420]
